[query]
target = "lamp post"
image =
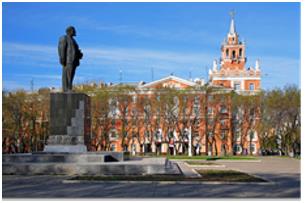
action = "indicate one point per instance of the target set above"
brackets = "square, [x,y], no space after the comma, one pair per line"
[190,141]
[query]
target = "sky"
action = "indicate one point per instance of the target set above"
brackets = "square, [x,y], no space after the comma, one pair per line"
[146,41]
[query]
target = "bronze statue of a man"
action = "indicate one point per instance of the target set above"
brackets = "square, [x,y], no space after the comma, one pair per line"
[69,56]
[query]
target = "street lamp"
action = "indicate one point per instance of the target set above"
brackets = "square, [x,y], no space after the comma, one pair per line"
[190,141]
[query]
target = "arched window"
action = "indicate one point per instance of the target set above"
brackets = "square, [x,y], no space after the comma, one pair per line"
[237,148]
[233,54]
[252,149]
[112,147]
[251,86]
[252,136]
[240,52]
[227,52]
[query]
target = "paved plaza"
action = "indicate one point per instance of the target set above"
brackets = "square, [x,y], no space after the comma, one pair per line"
[283,174]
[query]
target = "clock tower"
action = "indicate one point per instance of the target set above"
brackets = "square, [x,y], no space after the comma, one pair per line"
[232,72]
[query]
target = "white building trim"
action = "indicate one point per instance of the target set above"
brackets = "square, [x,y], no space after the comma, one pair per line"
[171,77]
[236,78]
[242,85]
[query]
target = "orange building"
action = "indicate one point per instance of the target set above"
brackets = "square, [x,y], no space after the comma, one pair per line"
[178,116]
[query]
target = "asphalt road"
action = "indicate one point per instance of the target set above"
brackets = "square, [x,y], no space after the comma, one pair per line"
[283,173]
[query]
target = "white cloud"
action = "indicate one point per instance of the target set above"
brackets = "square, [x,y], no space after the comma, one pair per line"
[104,63]
[47,55]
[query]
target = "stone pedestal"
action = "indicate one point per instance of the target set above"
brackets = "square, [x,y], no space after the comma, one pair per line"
[70,123]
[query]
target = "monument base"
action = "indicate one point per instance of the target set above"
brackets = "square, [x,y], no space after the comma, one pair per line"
[65,149]
[70,123]
[89,163]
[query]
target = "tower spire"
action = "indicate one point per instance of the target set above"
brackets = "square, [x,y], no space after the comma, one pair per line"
[232,25]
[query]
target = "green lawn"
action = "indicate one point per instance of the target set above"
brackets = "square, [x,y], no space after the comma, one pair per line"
[227,176]
[199,163]
[207,175]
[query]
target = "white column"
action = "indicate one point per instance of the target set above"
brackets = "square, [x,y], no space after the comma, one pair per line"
[232,84]
[190,141]
[174,149]
[242,85]
[133,149]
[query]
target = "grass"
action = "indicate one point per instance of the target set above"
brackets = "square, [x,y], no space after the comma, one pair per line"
[188,157]
[231,158]
[228,176]
[207,175]
[197,163]
[130,178]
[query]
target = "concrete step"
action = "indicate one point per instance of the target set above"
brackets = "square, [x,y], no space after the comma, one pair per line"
[77,122]
[55,158]
[83,169]
[79,113]
[66,139]
[75,130]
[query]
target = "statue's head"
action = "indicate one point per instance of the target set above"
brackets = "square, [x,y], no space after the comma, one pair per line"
[71,31]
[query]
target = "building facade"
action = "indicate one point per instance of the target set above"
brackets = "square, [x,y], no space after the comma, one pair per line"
[178,116]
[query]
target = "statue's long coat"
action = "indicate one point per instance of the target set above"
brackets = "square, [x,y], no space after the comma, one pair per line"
[68,51]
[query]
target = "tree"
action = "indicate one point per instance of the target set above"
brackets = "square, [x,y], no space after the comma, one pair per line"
[283,109]
[123,98]
[246,112]
[217,108]
[101,120]
[13,117]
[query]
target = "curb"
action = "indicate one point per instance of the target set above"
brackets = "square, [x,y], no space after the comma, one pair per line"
[205,166]
[254,175]
[239,161]
[229,161]
[168,182]
[187,171]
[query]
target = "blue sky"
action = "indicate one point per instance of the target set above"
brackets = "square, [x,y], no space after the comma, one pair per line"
[179,38]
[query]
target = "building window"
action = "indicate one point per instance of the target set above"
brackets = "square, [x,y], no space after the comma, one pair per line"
[240,52]
[113,135]
[223,149]
[210,110]
[210,121]
[223,123]
[237,135]
[223,109]
[210,98]
[233,54]
[112,148]
[251,86]
[134,99]
[252,135]
[223,134]
[252,148]
[227,53]
[237,148]
[237,86]
[196,107]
